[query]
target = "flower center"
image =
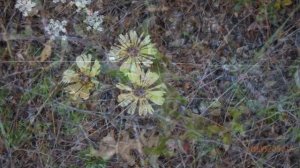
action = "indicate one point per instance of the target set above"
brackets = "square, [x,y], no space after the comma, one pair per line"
[140,92]
[133,51]
[85,78]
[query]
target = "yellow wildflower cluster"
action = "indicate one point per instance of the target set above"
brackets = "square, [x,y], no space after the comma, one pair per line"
[83,81]
[136,54]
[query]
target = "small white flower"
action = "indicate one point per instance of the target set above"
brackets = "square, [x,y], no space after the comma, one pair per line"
[62,1]
[94,21]
[81,4]
[56,29]
[25,6]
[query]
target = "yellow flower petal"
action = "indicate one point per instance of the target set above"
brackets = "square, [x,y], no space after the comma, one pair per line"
[94,82]
[146,41]
[79,90]
[149,50]
[123,40]
[84,63]
[70,76]
[149,78]
[74,88]
[95,69]
[84,92]
[135,78]
[133,37]
[132,107]
[123,87]
[125,99]
[146,62]
[156,97]
[125,67]
[145,107]
[160,86]
[131,65]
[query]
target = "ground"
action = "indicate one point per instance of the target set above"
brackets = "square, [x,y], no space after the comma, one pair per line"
[231,70]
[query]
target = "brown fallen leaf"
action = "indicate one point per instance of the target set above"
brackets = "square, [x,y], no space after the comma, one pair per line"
[46,53]
[126,145]
[109,147]
[123,147]
[149,142]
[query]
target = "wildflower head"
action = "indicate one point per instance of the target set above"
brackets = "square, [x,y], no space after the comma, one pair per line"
[25,6]
[134,50]
[82,4]
[142,91]
[56,28]
[94,21]
[139,92]
[57,1]
[82,81]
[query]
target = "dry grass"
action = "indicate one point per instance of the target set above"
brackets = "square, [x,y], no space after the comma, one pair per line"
[229,65]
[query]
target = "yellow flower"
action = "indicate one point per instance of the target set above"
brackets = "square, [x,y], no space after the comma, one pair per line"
[141,92]
[82,82]
[134,50]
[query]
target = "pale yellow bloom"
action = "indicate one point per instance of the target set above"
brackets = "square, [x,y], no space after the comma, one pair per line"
[141,92]
[134,51]
[81,83]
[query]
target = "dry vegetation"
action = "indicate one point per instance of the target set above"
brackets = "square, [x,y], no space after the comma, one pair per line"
[231,70]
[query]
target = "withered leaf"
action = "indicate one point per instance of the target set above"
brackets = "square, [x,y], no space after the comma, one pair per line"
[123,147]
[46,53]
[109,147]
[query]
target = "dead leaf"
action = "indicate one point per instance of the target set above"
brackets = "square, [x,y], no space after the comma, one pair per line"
[109,147]
[126,145]
[123,147]
[46,53]
[254,27]
[149,142]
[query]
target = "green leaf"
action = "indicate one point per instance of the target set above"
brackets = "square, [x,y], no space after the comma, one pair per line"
[213,129]
[237,127]
[227,138]
[161,149]
[235,113]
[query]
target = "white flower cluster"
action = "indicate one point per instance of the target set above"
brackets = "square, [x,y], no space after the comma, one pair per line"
[56,28]
[81,4]
[62,1]
[94,21]
[25,6]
